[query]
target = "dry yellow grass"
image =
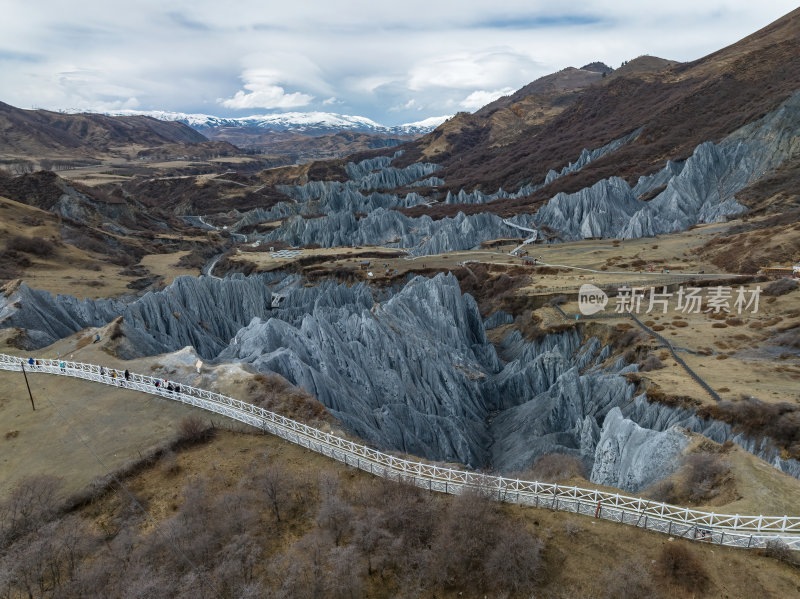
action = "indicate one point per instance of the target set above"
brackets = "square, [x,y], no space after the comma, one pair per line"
[579,551]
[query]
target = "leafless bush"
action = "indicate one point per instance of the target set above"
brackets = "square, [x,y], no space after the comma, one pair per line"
[705,472]
[31,245]
[630,337]
[476,549]
[778,550]
[32,502]
[572,528]
[629,580]
[171,465]
[778,421]
[9,271]
[31,221]
[335,516]
[273,483]
[276,394]
[192,429]
[515,564]
[462,545]
[651,362]
[666,491]
[678,565]
[790,338]
[555,468]
[780,287]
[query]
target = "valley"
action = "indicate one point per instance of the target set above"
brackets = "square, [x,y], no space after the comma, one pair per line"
[590,282]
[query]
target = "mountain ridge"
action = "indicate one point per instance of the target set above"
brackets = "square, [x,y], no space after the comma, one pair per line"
[42,132]
[314,121]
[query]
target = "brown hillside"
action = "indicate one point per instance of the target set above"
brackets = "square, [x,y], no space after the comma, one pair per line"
[43,133]
[679,107]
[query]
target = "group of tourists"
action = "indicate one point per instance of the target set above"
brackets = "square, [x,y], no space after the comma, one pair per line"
[167,385]
[121,378]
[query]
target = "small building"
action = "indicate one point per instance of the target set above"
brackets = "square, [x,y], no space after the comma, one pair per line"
[782,271]
[364,264]
[529,261]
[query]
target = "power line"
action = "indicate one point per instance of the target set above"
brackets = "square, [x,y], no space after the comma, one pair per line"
[132,497]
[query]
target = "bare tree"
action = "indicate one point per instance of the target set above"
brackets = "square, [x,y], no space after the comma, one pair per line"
[31,502]
[336,516]
[274,484]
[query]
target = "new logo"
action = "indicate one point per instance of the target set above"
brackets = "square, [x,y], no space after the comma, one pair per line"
[591,299]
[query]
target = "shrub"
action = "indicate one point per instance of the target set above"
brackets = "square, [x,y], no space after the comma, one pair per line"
[629,580]
[790,338]
[705,473]
[779,421]
[630,337]
[193,430]
[652,362]
[276,394]
[9,271]
[778,550]
[780,287]
[31,245]
[515,564]
[678,565]
[31,502]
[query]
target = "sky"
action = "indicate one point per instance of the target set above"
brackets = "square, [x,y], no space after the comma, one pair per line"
[393,62]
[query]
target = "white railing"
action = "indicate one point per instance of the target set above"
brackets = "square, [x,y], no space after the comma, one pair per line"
[733,530]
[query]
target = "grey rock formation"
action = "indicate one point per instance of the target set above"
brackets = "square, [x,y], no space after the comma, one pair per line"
[661,417]
[408,369]
[373,173]
[497,319]
[564,418]
[407,373]
[633,458]
[597,211]
[392,229]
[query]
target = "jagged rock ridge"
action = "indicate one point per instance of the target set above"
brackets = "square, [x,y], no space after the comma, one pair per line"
[409,370]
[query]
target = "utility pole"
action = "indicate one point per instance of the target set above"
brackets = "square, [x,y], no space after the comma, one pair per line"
[27,384]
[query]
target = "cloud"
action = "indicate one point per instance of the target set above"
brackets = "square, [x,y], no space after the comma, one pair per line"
[187,22]
[263,91]
[201,56]
[482,97]
[537,21]
[469,70]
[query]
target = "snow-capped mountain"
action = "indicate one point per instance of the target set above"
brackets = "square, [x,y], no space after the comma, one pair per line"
[306,122]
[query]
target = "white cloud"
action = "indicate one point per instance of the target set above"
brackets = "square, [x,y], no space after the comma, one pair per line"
[331,100]
[482,97]
[371,59]
[465,70]
[263,91]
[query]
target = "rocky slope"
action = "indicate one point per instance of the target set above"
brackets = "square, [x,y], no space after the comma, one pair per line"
[678,107]
[408,369]
[700,189]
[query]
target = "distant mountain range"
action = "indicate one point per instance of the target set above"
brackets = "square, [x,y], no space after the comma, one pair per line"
[42,133]
[309,123]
